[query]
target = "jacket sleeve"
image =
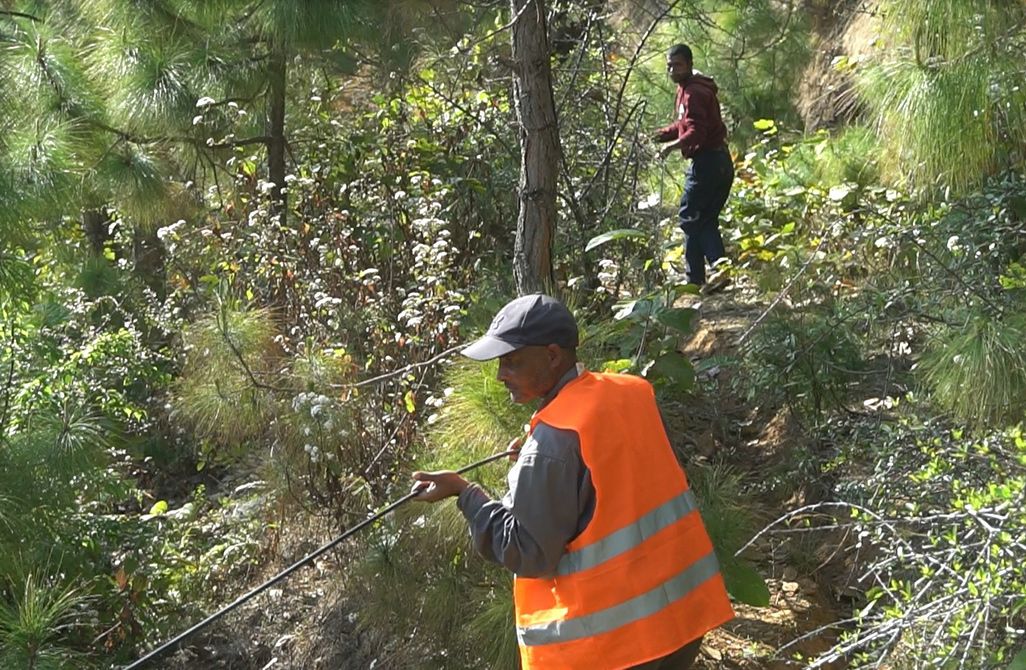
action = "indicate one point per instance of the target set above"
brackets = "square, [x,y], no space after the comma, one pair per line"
[528,530]
[667,133]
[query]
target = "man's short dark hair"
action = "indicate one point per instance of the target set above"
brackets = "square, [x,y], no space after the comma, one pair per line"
[682,50]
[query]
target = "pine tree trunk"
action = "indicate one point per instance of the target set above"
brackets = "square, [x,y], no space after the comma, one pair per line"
[276,133]
[95,224]
[539,148]
[148,253]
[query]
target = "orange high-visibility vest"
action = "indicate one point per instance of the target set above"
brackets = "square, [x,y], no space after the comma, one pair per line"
[642,579]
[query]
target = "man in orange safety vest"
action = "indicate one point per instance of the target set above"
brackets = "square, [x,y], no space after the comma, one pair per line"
[613,566]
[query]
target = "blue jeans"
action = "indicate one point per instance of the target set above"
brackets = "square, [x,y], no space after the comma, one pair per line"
[706,187]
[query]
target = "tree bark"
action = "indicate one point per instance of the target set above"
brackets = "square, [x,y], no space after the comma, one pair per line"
[150,260]
[276,133]
[539,148]
[95,224]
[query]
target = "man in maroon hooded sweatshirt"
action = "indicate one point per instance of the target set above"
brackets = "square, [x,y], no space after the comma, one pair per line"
[699,134]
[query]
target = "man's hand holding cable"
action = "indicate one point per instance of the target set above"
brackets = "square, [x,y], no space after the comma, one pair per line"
[435,486]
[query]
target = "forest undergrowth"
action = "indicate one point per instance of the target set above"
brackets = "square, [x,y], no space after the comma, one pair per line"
[241,243]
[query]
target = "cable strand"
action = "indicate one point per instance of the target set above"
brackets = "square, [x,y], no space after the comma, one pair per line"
[178,639]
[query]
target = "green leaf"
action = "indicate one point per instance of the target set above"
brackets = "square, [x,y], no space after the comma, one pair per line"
[679,319]
[618,365]
[839,192]
[745,584]
[634,308]
[676,368]
[411,404]
[1019,662]
[159,508]
[764,124]
[620,234]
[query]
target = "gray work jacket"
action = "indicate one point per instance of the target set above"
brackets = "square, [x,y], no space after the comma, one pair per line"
[550,501]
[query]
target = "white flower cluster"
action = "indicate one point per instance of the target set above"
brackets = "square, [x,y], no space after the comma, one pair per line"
[313,452]
[433,265]
[169,235]
[319,408]
[369,276]
[322,299]
[302,400]
[437,402]
[301,181]
[607,274]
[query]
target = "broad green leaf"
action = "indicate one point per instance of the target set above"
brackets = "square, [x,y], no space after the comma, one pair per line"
[676,368]
[839,192]
[159,508]
[634,308]
[411,404]
[679,319]
[764,124]
[1019,662]
[624,310]
[620,234]
[745,584]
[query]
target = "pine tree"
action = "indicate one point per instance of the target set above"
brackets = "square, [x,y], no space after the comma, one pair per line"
[946,91]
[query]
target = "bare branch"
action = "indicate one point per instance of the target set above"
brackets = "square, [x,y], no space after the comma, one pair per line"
[465,50]
[20,15]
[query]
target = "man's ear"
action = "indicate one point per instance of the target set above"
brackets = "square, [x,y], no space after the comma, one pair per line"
[555,353]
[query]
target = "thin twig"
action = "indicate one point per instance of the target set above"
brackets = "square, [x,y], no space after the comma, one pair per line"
[20,15]
[466,49]
[400,371]
[783,292]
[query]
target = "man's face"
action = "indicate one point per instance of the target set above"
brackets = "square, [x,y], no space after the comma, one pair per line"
[529,372]
[679,69]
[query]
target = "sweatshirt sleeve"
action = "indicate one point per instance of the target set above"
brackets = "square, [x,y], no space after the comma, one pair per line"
[528,529]
[667,133]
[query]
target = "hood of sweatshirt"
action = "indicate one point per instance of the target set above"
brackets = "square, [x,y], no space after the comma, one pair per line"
[703,81]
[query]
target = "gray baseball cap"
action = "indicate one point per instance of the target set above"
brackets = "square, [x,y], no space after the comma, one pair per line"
[531,320]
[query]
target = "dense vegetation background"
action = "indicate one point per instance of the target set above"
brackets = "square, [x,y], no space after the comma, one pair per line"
[240,241]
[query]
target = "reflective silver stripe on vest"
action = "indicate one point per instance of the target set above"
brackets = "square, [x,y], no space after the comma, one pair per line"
[627,612]
[628,537]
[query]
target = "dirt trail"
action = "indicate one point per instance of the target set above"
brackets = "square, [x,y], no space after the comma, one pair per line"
[721,427]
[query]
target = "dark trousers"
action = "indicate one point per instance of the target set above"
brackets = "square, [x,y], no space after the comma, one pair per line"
[682,659]
[706,187]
